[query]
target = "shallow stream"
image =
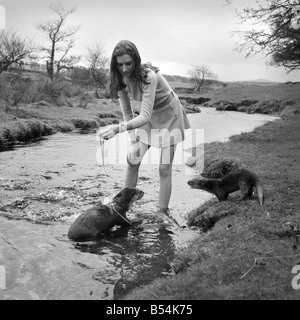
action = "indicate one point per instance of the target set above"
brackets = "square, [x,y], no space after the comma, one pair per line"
[45,185]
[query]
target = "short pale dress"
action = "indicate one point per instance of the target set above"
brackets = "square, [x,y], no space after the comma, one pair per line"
[162,119]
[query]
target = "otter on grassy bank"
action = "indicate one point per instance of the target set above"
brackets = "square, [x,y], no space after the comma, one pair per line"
[240,179]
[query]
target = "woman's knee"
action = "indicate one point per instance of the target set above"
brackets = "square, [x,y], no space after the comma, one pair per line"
[133,163]
[165,170]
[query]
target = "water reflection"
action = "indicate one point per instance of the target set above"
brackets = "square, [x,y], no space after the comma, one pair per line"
[134,256]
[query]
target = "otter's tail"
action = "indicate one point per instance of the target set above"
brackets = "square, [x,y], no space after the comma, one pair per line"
[260,192]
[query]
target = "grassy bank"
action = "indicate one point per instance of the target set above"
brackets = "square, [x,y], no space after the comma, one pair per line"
[245,251]
[251,98]
[32,107]
[29,122]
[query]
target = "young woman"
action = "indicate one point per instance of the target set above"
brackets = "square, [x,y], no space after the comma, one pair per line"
[160,123]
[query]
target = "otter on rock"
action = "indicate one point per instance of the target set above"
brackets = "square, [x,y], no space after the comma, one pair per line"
[240,179]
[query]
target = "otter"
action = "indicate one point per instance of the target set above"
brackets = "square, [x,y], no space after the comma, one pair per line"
[240,179]
[103,217]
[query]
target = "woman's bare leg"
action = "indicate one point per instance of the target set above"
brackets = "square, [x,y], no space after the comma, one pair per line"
[132,171]
[165,174]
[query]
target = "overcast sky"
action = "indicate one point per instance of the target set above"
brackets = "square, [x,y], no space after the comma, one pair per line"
[172,34]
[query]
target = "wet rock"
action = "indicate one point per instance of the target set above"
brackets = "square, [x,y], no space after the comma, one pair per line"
[47,177]
[143,178]
[192,109]
[191,161]
[19,203]
[71,164]
[227,106]
[197,109]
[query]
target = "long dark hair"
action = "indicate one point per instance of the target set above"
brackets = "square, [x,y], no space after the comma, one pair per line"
[139,72]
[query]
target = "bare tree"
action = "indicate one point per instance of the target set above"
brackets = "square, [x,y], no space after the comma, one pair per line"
[13,91]
[13,49]
[200,74]
[61,41]
[274,30]
[98,65]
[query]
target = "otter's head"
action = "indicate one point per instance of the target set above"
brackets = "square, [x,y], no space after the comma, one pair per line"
[127,196]
[200,183]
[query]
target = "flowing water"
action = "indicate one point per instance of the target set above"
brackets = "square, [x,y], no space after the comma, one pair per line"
[45,185]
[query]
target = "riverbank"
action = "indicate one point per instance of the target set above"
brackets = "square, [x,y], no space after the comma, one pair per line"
[35,121]
[244,251]
[65,108]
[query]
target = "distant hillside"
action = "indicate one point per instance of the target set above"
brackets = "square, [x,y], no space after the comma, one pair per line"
[260,81]
[186,84]
[257,82]
[177,82]
[177,79]
[187,80]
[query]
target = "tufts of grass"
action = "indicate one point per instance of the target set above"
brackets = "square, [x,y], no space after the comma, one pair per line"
[85,124]
[244,251]
[218,168]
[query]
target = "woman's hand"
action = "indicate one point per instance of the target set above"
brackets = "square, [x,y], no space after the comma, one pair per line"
[107,132]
